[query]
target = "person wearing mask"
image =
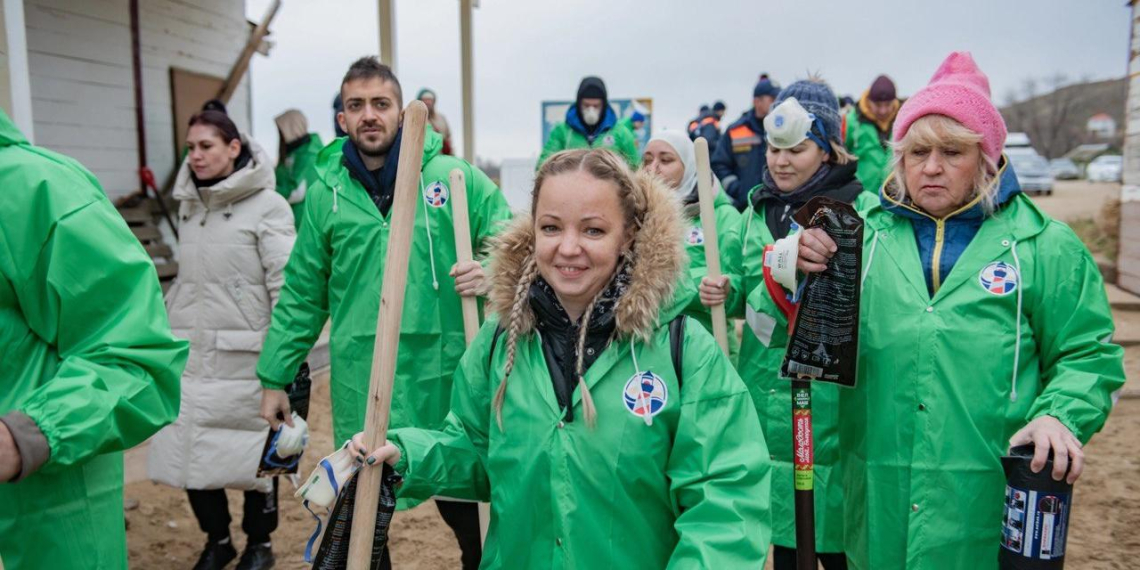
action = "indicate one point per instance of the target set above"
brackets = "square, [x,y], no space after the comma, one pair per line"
[337,267]
[739,158]
[805,159]
[436,119]
[956,248]
[235,236]
[869,126]
[669,155]
[591,123]
[604,430]
[296,154]
[90,366]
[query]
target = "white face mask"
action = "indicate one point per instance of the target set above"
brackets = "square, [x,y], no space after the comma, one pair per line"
[591,115]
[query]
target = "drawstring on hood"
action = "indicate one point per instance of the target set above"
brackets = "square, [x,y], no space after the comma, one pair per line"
[431,246]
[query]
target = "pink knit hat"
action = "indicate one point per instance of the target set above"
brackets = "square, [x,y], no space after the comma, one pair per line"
[961,91]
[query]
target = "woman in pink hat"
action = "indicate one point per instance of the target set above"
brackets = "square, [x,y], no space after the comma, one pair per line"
[985,325]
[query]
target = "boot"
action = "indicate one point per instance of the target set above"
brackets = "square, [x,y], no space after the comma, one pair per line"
[256,557]
[216,555]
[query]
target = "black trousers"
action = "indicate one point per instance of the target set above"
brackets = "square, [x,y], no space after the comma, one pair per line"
[259,513]
[463,518]
[784,558]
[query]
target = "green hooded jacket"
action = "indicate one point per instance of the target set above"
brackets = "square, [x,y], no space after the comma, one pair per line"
[871,145]
[688,489]
[90,367]
[944,382]
[762,350]
[336,270]
[618,139]
[296,173]
[728,239]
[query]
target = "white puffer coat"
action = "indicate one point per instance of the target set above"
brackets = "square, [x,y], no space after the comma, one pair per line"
[234,240]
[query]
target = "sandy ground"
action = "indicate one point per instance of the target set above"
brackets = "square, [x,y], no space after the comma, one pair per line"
[164,535]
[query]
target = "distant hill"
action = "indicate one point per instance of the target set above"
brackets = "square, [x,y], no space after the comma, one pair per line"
[1056,121]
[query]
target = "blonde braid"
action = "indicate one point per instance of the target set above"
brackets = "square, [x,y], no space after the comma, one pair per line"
[530,271]
[588,409]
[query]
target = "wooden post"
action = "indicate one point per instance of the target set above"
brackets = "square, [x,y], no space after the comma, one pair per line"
[242,63]
[470,306]
[387,14]
[465,67]
[388,330]
[708,227]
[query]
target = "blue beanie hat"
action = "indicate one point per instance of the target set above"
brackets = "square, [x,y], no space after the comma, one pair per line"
[818,99]
[766,87]
[637,117]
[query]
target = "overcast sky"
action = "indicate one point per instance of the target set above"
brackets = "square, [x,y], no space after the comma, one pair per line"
[679,52]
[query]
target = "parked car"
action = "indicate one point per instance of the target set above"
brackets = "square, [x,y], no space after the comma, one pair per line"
[1105,168]
[1064,169]
[1032,172]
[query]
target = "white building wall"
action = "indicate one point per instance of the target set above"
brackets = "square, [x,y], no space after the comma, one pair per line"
[79,55]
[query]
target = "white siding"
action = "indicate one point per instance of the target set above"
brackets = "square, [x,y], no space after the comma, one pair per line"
[79,53]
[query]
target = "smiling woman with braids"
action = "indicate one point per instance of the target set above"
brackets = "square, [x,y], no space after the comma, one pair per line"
[586,411]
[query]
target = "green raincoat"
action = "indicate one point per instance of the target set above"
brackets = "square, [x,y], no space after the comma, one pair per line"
[728,239]
[336,269]
[618,139]
[934,407]
[88,356]
[865,140]
[296,173]
[687,490]
[762,350]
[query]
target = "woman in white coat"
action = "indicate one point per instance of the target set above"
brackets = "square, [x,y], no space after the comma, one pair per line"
[236,233]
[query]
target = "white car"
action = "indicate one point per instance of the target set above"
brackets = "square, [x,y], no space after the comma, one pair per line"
[1105,168]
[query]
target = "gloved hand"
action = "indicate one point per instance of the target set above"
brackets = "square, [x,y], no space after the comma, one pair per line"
[291,440]
[326,481]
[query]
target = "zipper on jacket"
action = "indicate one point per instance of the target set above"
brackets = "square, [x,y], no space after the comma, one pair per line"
[936,256]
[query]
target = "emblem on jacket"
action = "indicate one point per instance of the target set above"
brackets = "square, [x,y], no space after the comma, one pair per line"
[999,278]
[645,395]
[608,140]
[696,236]
[436,194]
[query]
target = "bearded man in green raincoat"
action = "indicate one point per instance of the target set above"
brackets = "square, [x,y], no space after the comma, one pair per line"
[89,365]
[337,266]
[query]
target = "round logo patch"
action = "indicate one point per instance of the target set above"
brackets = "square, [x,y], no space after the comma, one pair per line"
[645,395]
[696,236]
[999,278]
[436,194]
[608,140]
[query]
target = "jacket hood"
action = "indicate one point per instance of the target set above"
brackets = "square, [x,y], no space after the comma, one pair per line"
[9,134]
[329,163]
[254,177]
[659,260]
[1007,189]
[607,122]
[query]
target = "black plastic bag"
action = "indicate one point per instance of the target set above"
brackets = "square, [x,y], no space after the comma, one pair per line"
[825,341]
[333,552]
[271,464]
[1035,520]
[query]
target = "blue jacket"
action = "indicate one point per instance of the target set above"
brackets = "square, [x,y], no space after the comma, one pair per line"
[957,229]
[739,160]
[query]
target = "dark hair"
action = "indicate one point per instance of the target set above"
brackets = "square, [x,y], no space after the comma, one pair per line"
[214,105]
[221,122]
[369,67]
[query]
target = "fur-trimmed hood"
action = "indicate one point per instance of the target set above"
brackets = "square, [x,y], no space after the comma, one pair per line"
[658,264]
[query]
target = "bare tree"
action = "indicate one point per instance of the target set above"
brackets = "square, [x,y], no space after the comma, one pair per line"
[1046,117]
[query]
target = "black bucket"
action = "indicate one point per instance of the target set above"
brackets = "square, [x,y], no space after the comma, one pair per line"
[1035,523]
